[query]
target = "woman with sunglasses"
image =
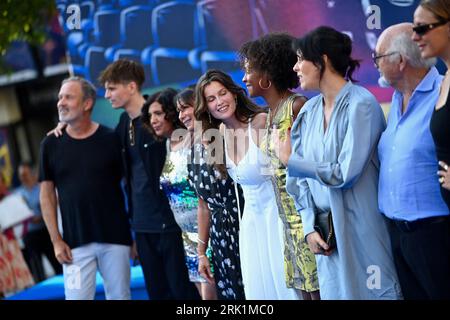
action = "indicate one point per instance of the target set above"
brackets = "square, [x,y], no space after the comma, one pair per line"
[432,35]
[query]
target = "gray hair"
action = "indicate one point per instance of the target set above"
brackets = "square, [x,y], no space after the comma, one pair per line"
[403,44]
[88,89]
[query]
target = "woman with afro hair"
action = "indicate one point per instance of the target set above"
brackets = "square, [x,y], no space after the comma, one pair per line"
[268,63]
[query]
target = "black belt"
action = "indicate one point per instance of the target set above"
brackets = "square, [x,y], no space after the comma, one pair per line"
[409,226]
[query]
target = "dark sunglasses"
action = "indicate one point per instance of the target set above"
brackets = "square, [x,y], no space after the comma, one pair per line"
[424,28]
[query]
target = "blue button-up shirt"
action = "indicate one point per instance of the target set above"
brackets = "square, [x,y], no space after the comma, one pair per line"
[409,187]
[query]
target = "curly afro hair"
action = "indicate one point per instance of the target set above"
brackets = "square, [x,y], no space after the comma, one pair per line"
[272,54]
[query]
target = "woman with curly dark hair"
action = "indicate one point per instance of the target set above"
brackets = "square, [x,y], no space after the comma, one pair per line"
[170,120]
[267,63]
[160,117]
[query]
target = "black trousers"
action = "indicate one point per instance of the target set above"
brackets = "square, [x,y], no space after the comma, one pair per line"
[38,243]
[422,259]
[164,266]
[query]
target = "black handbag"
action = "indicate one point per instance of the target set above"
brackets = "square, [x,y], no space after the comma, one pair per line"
[324,226]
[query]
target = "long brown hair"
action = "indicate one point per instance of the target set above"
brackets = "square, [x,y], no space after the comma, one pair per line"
[440,8]
[246,109]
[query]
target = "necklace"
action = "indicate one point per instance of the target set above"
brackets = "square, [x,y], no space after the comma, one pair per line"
[271,116]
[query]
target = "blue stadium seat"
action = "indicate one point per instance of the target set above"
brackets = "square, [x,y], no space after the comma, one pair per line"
[102,33]
[214,50]
[87,9]
[95,63]
[107,28]
[135,28]
[106,4]
[74,41]
[135,32]
[129,3]
[173,30]
[79,41]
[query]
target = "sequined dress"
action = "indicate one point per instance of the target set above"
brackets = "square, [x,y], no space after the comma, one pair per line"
[184,203]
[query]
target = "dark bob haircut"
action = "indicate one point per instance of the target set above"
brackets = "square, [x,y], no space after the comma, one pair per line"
[337,46]
[186,96]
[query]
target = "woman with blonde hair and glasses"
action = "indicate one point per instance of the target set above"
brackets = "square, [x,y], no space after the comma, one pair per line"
[432,35]
[431,32]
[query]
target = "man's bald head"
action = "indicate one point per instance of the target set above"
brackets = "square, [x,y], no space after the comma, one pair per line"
[386,37]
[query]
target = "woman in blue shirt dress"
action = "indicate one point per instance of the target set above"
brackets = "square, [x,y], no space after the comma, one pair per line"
[334,167]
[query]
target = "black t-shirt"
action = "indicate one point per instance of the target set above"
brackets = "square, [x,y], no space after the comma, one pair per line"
[87,173]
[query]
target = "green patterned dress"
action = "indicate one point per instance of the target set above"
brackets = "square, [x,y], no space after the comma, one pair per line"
[300,263]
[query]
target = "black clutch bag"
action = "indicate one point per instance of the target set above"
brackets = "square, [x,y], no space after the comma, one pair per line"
[324,226]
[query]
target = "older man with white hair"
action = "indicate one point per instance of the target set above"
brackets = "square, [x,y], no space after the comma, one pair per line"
[409,193]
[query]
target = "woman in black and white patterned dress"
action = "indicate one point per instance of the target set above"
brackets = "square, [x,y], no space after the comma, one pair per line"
[217,192]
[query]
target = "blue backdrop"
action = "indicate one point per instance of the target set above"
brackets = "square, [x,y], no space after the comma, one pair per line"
[177,41]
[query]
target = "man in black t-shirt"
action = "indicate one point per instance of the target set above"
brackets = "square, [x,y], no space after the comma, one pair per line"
[82,171]
[158,237]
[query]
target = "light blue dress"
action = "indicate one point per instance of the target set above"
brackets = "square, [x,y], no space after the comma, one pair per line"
[338,170]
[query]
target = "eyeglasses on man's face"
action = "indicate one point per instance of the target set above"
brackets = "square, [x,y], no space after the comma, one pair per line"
[424,28]
[376,57]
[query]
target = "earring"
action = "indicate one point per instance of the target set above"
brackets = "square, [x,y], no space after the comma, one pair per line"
[209,116]
[264,88]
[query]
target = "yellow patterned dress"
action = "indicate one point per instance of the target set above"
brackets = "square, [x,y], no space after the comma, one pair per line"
[300,263]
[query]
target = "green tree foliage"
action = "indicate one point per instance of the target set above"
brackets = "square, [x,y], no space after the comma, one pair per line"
[24,20]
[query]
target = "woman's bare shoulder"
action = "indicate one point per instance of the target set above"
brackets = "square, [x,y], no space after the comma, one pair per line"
[259,120]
